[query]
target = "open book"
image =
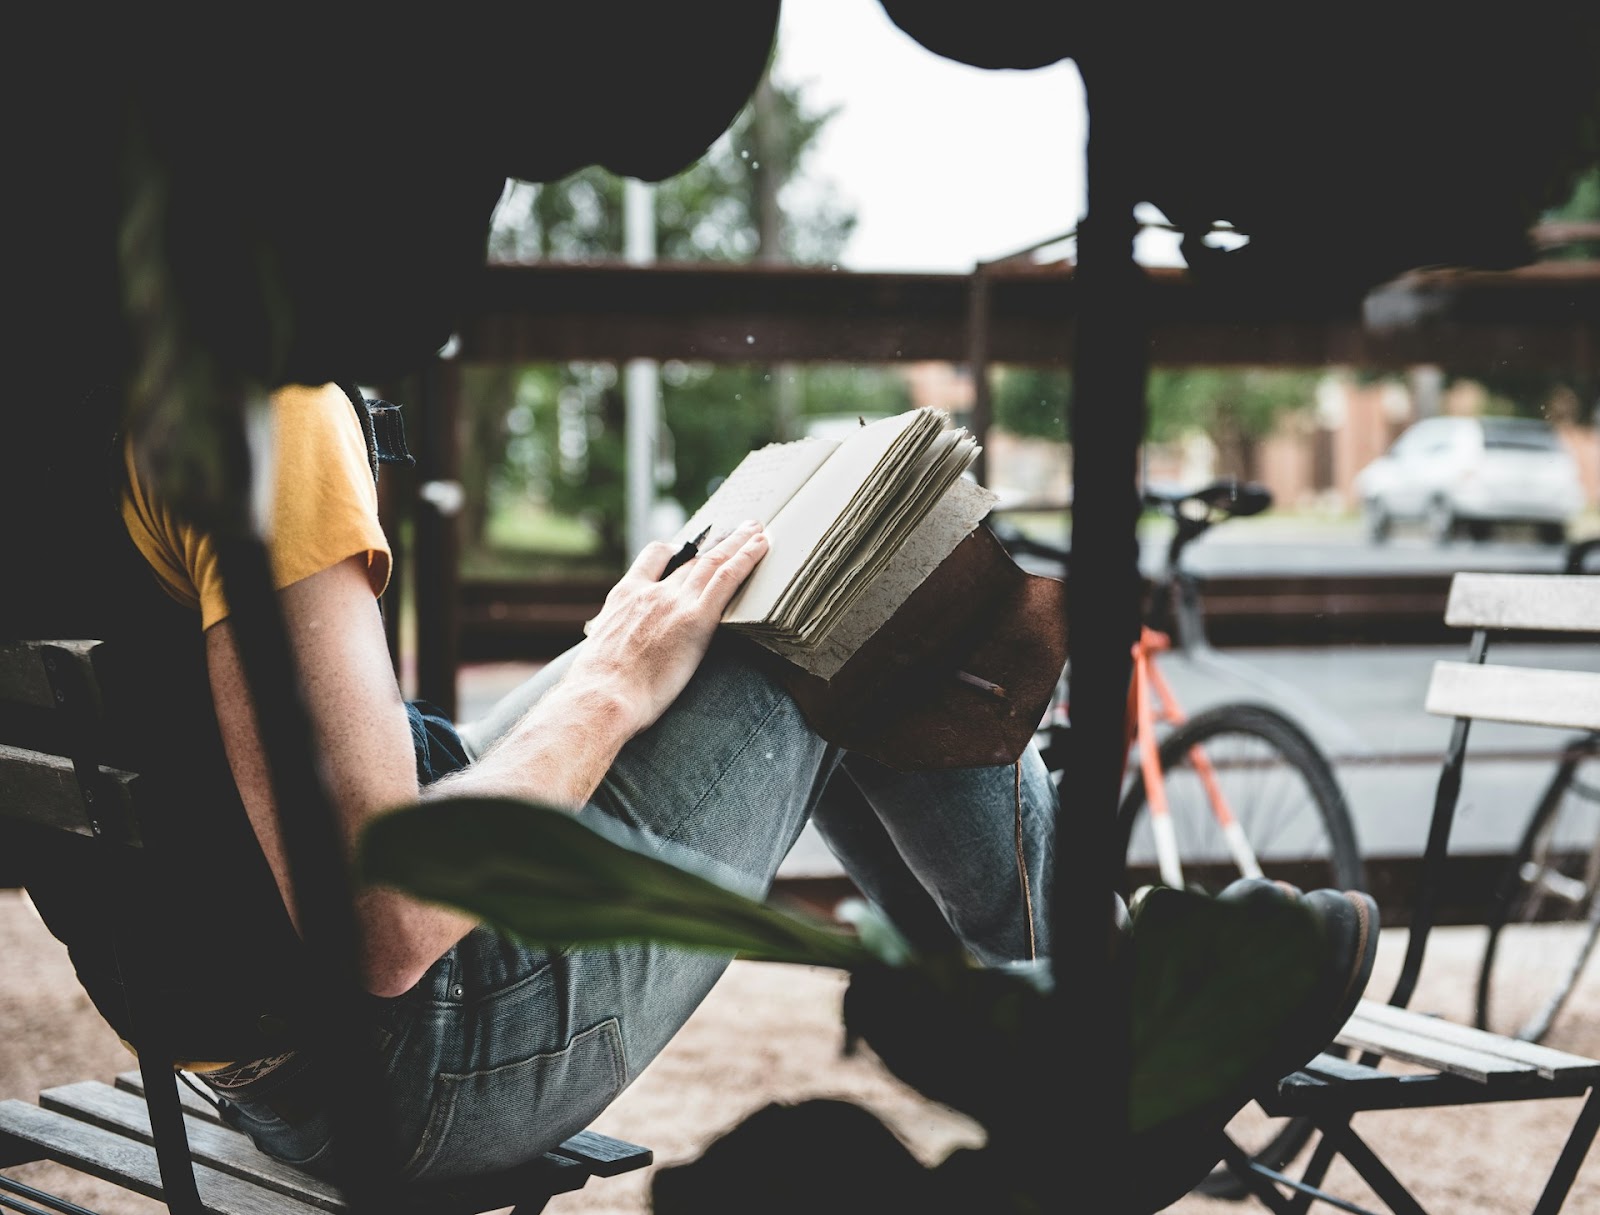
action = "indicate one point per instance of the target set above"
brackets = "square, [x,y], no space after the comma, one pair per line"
[854,525]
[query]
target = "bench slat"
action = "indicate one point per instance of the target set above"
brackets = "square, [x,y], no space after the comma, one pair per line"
[1521,695]
[23,677]
[39,788]
[1397,1042]
[588,1152]
[605,1156]
[194,1105]
[209,1143]
[1558,602]
[1549,1063]
[128,1163]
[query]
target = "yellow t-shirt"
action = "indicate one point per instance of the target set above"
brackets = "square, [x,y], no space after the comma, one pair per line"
[324,507]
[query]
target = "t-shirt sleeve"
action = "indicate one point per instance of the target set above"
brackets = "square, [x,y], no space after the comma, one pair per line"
[324,507]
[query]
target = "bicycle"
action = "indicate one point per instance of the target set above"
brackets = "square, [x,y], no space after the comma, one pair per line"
[1544,916]
[1240,789]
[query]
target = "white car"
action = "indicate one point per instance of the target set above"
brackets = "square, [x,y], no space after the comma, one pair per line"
[1454,474]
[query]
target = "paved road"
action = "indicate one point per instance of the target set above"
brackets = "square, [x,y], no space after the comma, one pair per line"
[1295,546]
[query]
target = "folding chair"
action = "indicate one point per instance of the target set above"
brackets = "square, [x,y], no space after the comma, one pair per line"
[1451,1064]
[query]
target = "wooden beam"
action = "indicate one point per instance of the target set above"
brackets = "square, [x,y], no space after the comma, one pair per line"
[1542,316]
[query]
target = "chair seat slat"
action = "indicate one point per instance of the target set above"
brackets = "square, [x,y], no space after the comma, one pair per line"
[1399,1042]
[131,1164]
[1548,1062]
[209,1143]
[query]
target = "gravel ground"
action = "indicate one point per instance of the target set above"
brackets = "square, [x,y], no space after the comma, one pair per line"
[773,1033]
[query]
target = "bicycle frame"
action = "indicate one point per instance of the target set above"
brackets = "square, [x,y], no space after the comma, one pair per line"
[1151,699]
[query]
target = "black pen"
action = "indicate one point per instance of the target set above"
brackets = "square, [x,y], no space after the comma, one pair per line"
[690,549]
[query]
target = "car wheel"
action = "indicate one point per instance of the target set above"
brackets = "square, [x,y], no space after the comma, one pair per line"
[1376,520]
[1440,521]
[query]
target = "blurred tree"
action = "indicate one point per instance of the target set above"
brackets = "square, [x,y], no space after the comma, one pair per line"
[521,433]
[1234,407]
[1031,401]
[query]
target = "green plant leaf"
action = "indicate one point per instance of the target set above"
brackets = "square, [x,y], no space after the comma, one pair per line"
[876,931]
[1220,989]
[554,880]
[967,1036]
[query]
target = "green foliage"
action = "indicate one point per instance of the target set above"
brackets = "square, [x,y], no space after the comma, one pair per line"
[544,876]
[1032,402]
[709,212]
[1213,983]
[1208,985]
[556,433]
[1225,401]
[1584,201]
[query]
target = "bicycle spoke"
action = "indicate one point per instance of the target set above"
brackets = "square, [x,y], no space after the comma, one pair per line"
[1544,922]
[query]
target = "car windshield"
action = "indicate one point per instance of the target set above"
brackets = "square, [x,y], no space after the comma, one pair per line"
[1519,433]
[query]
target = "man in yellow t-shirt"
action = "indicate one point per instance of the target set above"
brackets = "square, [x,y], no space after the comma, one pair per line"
[493,1052]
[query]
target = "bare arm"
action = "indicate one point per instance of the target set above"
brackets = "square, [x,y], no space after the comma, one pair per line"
[643,647]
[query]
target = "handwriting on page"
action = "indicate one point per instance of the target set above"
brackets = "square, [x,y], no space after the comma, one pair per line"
[758,488]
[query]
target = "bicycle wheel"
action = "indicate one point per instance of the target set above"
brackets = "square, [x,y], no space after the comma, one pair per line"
[1284,796]
[1276,783]
[1545,916]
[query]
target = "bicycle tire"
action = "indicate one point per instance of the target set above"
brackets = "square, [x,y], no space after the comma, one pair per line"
[1253,742]
[1545,915]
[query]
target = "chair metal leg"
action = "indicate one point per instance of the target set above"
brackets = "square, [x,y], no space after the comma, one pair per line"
[1372,1170]
[1577,1147]
[13,1192]
[171,1138]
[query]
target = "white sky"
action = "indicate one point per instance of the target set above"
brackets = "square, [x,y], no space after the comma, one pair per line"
[944,164]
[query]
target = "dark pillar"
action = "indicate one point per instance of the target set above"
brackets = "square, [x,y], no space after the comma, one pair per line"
[978,367]
[435,567]
[1107,425]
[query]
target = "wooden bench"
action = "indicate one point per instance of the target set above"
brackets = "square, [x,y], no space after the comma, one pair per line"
[148,1133]
[104,1130]
[1444,1063]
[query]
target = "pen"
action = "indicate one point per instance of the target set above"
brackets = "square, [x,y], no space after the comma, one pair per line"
[691,548]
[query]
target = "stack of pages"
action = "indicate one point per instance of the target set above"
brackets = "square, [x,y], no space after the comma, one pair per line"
[854,527]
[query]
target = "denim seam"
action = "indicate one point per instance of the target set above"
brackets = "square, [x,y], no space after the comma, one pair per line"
[716,783]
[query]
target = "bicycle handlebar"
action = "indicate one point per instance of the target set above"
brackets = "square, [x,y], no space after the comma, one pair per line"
[1194,511]
[1223,498]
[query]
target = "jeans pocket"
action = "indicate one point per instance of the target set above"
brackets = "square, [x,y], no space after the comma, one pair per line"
[485,1121]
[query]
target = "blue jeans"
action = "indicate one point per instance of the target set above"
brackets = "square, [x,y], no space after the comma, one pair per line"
[501,1051]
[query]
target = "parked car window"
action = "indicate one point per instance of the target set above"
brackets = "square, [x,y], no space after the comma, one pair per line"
[1520,433]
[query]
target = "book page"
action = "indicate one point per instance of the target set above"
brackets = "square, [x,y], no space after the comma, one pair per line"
[757,489]
[859,552]
[797,529]
[930,542]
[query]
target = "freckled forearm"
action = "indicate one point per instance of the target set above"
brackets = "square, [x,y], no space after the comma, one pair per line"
[557,754]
